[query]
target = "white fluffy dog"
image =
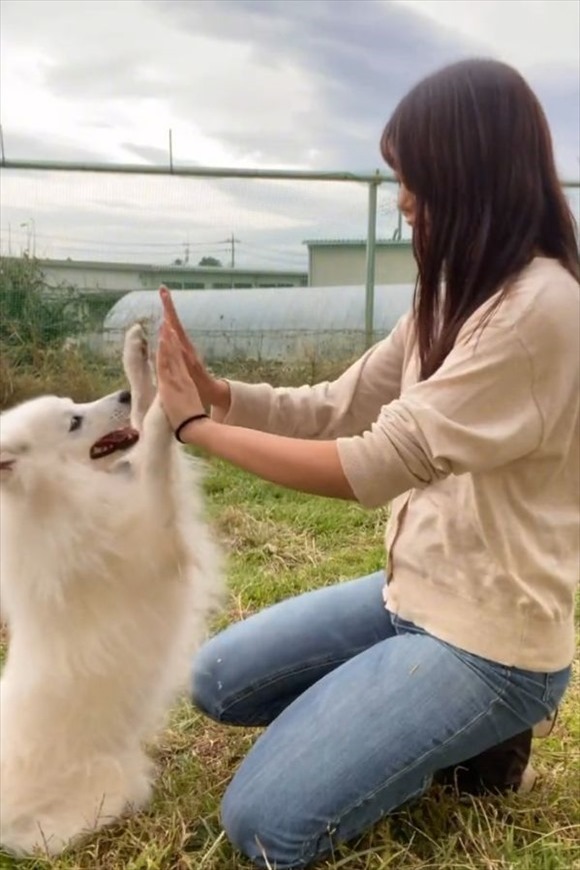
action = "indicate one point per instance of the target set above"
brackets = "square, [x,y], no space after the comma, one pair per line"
[108,573]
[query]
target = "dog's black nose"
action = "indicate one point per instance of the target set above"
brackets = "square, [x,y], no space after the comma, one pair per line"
[125,397]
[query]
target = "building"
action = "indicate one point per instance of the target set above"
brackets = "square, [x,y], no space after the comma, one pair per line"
[118,278]
[342,262]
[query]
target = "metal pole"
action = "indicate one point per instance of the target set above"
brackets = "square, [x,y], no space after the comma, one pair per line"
[192,171]
[370,270]
[207,171]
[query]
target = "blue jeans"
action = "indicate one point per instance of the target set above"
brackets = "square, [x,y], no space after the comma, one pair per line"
[362,707]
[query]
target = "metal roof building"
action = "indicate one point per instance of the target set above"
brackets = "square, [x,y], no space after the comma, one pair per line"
[112,277]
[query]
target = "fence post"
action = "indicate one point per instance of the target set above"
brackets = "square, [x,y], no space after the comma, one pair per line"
[370,265]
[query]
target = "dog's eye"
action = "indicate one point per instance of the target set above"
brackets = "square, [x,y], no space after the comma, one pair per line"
[75,423]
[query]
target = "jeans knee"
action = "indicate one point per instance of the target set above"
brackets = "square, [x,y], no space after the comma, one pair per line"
[205,684]
[240,825]
[249,825]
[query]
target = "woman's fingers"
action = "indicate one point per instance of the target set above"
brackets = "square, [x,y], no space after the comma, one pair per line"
[164,361]
[192,358]
[170,353]
[171,314]
[191,363]
[168,306]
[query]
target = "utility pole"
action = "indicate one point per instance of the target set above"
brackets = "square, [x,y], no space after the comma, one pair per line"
[232,243]
[30,237]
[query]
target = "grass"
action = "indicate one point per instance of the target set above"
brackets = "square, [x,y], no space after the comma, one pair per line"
[28,371]
[48,369]
[281,543]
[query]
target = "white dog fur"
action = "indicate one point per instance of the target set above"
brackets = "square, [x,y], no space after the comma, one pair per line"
[108,574]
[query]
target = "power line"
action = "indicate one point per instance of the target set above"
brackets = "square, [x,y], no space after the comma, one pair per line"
[255,251]
[107,243]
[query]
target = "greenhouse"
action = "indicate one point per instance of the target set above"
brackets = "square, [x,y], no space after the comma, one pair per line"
[268,324]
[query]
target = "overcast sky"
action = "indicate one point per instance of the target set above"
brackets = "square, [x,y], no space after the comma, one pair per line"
[253,83]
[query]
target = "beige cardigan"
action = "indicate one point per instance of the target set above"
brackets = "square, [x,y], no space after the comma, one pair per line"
[480,463]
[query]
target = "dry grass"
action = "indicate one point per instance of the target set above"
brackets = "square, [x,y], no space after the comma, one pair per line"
[282,543]
[85,377]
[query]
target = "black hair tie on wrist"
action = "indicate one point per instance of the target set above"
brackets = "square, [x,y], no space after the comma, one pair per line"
[186,423]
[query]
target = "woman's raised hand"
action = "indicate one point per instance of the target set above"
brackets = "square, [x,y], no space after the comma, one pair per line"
[212,391]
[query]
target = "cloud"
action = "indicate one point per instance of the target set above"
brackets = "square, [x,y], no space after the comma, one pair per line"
[525,33]
[261,83]
[324,75]
[281,83]
[24,146]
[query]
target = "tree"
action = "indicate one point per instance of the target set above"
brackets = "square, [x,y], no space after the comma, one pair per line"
[210,261]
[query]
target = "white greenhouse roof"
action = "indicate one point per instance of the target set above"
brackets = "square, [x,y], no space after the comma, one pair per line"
[268,322]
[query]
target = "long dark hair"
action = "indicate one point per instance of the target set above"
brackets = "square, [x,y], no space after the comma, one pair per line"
[473,145]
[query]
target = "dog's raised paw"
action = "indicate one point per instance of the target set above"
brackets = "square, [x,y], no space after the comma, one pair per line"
[136,351]
[139,372]
[136,339]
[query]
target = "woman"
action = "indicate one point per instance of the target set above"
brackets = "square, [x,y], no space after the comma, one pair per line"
[465,419]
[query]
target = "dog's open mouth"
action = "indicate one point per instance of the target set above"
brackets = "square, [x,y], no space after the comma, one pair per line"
[119,439]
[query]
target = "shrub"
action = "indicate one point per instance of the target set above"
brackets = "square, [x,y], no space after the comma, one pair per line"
[34,316]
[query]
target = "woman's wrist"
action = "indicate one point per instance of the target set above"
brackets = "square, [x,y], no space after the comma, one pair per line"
[194,418]
[216,394]
[220,400]
[223,396]
[195,431]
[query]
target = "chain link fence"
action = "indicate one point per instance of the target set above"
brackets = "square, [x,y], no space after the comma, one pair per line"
[74,241]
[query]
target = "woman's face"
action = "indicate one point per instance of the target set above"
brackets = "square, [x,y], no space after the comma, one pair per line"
[406,203]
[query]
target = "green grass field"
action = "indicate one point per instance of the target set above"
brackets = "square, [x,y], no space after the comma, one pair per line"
[281,543]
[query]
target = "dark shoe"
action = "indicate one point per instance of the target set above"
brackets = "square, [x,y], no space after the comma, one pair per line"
[499,770]
[546,726]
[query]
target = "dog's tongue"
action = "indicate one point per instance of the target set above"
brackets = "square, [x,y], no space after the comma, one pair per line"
[119,439]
